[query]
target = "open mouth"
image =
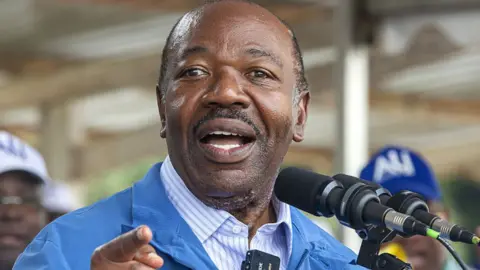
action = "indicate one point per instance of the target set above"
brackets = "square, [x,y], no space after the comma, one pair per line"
[226,140]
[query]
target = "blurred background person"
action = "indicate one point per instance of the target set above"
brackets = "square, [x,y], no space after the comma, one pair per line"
[22,176]
[58,200]
[398,168]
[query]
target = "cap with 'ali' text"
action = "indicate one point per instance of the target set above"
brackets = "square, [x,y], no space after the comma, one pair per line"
[398,168]
[16,155]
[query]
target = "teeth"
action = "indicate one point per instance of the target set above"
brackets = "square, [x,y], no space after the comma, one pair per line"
[226,146]
[223,133]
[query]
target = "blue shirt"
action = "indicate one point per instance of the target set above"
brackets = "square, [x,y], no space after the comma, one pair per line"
[68,242]
[224,238]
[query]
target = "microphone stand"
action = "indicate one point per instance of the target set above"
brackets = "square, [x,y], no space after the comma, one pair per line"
[373,237]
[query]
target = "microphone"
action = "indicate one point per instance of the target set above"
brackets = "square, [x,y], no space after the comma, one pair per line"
[356,207]
[411,203]
[348,181]
[414,205]
[258,260]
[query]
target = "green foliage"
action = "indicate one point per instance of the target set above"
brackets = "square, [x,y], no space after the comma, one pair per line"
[116,180]
[462,198]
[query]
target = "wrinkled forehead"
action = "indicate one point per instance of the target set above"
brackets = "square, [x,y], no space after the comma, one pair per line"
[224,27]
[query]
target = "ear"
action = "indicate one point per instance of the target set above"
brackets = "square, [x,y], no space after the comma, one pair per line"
[301,116]
[161,111]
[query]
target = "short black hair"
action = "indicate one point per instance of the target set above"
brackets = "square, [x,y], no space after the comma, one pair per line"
[301,81]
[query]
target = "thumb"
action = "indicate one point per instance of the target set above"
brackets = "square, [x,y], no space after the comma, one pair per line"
[125,247]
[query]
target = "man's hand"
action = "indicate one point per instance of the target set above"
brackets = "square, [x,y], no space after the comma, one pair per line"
[128,251]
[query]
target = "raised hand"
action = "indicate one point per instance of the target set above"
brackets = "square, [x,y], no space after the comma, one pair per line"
[128,251]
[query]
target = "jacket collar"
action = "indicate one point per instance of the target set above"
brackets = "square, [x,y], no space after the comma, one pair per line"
[151,207]
[301,247]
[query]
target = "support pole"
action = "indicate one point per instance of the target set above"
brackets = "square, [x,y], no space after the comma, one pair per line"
[55,143]
[351,80]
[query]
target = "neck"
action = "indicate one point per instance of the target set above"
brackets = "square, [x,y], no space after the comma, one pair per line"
[255,217]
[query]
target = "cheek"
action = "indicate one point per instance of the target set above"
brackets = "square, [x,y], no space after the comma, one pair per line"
[36,221]
[180,113]
[277,112]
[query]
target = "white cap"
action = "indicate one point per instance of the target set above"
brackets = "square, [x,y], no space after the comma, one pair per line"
[59,197]
[17,155]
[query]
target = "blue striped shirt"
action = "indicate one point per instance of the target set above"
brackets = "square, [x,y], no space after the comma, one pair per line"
[224,238]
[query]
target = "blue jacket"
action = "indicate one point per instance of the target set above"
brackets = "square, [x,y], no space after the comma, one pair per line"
[68,242]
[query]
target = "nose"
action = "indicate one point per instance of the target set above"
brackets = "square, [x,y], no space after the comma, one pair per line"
[226,91]
[10,213]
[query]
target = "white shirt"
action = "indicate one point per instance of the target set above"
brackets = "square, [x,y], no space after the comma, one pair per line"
[224,238]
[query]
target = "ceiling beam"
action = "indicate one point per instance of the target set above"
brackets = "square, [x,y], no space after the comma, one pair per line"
[100,155]
[461,109]
[290,12]
[80,81]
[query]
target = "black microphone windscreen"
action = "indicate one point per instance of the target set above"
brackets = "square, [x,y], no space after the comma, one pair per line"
[299,188]
[348,181]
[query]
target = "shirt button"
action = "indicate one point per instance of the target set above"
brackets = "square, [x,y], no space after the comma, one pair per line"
[237,229]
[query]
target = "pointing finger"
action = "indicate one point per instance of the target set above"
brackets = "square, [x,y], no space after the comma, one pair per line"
[125,247]
[147,255]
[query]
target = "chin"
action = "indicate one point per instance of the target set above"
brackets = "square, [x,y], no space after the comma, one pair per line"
[235,193]
[232,203]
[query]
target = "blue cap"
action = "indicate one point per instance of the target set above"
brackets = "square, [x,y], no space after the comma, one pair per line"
[398,168]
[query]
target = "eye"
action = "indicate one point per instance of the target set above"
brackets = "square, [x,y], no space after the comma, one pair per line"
[193,73]
[258,74]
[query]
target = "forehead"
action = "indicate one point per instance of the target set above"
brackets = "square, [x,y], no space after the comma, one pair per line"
[231,26]
[18,183]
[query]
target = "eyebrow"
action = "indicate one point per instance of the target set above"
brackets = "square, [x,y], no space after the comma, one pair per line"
[193,50]
[258,53]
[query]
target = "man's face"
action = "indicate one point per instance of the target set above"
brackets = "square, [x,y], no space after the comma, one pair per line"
[424,253]
[228,115]
[19,223]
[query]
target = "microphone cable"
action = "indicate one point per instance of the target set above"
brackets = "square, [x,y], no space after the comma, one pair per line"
[450,249]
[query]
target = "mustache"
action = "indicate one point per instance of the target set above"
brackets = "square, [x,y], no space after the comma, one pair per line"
[227,113]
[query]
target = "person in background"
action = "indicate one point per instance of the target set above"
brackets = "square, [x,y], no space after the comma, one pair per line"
[398,168]
[22,175]
[58,200]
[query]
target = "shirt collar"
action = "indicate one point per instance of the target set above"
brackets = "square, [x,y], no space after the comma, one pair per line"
[194,211]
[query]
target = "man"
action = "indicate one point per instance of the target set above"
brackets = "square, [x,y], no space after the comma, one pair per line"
[232,96]
[398,168]
[22,173]
[58,200]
